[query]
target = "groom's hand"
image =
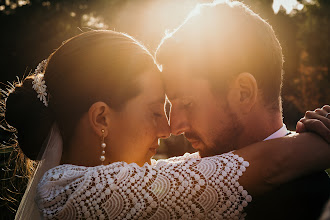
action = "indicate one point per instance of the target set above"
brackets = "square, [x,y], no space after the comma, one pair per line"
[317,121]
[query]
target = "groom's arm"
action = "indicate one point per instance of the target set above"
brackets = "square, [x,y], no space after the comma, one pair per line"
[280,160]
[317,121]
[302,198]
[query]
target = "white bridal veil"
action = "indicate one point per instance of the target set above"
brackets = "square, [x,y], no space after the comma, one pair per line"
[50,158]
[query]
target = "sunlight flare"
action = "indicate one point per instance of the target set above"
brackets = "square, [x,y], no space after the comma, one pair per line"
[289,5]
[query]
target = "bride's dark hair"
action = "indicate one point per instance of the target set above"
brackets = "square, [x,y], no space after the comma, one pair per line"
[93,66]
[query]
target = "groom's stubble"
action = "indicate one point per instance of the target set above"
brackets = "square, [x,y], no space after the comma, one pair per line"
[228,139]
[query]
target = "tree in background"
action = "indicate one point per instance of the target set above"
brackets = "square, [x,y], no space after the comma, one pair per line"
[303,33]
[32,29]
[310,81]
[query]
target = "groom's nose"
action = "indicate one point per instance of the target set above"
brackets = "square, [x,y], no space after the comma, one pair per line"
[179,122]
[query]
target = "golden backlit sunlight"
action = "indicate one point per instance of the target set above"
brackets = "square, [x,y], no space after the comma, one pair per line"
[289,5]
[92,21]
[233,73]
[195,11]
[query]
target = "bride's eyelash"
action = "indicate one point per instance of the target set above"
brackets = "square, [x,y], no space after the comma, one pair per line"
[156,114]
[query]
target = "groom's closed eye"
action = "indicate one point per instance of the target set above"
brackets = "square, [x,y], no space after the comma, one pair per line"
[187,102]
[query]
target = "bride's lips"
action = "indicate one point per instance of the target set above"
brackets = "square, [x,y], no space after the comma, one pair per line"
[153,148]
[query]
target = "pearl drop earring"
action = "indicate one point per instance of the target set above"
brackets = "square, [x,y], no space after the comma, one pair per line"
[103,145]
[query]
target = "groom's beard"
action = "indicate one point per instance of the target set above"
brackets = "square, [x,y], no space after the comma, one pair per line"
[226,139]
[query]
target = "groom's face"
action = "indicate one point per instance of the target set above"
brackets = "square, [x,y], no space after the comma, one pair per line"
[203,116]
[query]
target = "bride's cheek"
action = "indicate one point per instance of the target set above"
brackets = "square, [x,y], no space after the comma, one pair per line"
[151,120]
[154,122]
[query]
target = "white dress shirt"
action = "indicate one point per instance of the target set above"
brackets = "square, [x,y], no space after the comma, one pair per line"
[279,133]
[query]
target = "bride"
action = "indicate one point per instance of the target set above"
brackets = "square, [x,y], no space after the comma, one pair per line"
[93,113]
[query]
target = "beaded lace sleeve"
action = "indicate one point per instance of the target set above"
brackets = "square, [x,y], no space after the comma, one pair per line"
[186,187]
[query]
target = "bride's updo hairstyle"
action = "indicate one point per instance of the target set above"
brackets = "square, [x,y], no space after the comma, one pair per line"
[93,66]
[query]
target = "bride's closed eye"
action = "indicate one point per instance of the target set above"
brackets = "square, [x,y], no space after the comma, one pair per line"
[157,110]
[157,114]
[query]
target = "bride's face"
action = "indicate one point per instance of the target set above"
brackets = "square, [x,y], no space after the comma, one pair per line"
[135,130]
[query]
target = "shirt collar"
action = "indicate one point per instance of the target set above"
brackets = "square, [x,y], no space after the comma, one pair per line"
[279,133]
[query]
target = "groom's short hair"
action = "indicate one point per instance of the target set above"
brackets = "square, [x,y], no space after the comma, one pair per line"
[223,40]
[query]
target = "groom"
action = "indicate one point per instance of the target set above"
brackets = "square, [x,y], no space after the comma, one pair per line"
[223,75]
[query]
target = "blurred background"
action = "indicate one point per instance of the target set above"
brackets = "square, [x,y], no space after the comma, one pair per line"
[32,29]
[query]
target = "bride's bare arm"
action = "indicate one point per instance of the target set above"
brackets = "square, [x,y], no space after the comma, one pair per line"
[280,160]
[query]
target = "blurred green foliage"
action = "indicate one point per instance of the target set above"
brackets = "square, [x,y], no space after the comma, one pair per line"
[30,32]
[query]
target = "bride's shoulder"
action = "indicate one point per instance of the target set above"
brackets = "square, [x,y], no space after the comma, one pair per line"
[61,176]
[68,173]
[62,171]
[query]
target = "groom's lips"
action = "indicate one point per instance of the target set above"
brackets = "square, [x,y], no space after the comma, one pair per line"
[194,143]
[193,139]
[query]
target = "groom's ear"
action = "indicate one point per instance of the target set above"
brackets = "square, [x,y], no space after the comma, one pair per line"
[246,91]
[99,118]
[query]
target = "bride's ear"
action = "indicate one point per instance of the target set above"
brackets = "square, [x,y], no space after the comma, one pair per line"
[99,118]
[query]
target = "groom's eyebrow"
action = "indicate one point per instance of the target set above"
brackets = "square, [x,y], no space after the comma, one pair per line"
[172,97]
[179,96]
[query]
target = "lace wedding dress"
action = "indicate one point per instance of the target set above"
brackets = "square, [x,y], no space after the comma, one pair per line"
[185,187]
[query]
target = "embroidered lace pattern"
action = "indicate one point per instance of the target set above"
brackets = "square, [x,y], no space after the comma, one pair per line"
[185,187]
